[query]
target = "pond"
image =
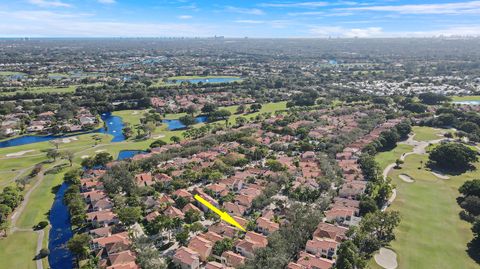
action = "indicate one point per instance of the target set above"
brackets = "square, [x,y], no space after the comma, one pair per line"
[114,127]
[60,232]
[176,124]
[468,102]
[127,154]
[205,80]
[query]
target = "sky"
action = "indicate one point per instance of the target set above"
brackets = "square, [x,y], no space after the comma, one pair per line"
[240,18]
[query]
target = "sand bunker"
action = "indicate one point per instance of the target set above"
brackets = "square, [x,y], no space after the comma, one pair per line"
[69,139]
[20,153]
[406,178]
[84,156]
[386,258]
[158,136]
[100,150]
[440,175]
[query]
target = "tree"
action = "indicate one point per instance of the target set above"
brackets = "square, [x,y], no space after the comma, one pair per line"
[44,252]
[73,176]
[369,167]
[182,237]
[191,216]
[79,245]
[471,187]
[88,162]
[380,225]
[453,156]
[119,179]
[102,158]
[222,245]
[431,98]
[55,143]
[129,215]
[191,109]
[187,120]
[256,107]
[157,144]
[149,128]
[68,155]
[240,121]
[275,165]
[241,109]
[175,139]
[367,205]
[348,256]
[53,154]
[209,108]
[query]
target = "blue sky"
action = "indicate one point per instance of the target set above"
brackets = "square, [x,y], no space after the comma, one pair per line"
[240,18]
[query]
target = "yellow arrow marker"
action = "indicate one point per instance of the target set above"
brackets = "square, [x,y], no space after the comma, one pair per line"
[223,215]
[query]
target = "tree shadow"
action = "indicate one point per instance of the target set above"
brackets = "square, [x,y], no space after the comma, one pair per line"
[473,249]
[451,172]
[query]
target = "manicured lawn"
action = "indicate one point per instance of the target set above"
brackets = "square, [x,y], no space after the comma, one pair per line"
[423,133]
[133,118]
[200,77]
[49,89]
[431,234]
[389,157]
[466,98]
[18,250]
[40,201]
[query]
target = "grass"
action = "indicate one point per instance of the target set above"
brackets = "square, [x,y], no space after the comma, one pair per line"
[48,89]
[41,201]
[10,73]
[389,157]
[423,133]
[466,98]
[200,77]
[18,251]
[431,233]
[133,117]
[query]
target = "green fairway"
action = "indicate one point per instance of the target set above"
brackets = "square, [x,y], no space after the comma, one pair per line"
[18,250]
[40,201]
[133,117]
[48,89]
[466,98]
[431,234]
[423,133]
[389,157]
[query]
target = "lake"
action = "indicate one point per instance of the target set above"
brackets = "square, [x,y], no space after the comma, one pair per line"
[205,80]
[114,128]
[127,154]
[467,102]
[176,124]
[60,232]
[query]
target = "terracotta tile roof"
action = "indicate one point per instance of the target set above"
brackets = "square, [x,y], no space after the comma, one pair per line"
[202,246]
[327,230]
[311,262]
[233,259]
[186,256]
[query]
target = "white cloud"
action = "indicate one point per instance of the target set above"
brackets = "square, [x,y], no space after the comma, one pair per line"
[298,5]
[46,3]
[107,1]
[249,11]
[472,7]
[185,17]
[370,32]
[55,24]
[337,31]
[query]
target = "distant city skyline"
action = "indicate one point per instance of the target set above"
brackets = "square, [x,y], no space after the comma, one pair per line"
[269,18]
